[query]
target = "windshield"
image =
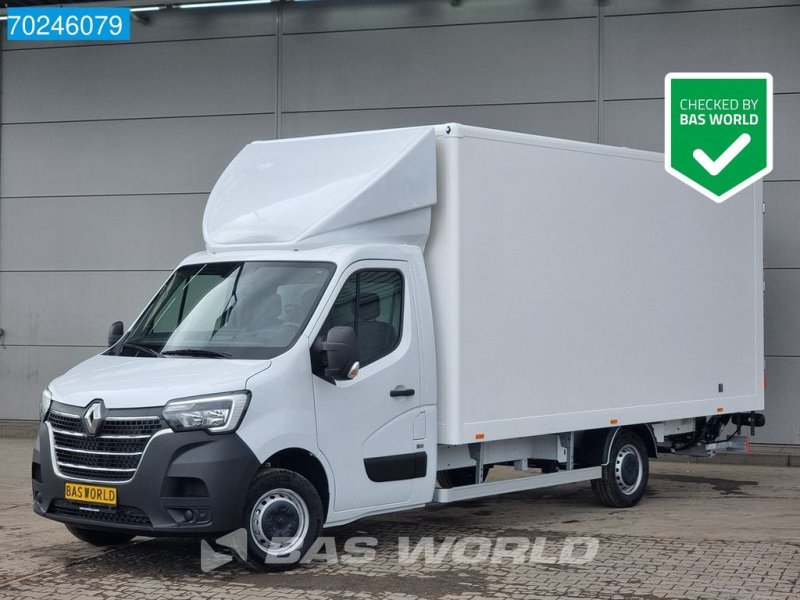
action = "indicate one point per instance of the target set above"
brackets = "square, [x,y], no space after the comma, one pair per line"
[251,310]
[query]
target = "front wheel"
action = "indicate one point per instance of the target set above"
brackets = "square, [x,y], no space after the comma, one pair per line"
[625,476]
[283,516]
[99,538]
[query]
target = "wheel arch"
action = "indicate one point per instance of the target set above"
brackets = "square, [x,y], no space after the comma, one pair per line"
[645,431]
[594,447]
[303,463]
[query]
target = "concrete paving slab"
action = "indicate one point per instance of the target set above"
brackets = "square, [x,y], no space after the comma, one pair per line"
[703,531]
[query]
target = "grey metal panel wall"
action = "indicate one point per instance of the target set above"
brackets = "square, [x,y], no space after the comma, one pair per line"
[640,124]
[139,156]
[573,120]
[782,224]
[200,69]
[758,36]
[113,224]
[351,15]
[483,64]
[782,323]
[24,370]
[58,308]
[640,49]
[634,7]
[108,154]
[783,409]
[107,176]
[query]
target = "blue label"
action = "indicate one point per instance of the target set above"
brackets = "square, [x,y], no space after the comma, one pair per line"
[68,24]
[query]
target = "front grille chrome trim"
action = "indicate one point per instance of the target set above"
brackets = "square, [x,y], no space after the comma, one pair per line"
[98,452]
[94,474]
[150,418]
[101,437]
[84,467]
[63,414]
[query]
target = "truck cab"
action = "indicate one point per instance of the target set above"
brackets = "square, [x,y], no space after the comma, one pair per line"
[232,368]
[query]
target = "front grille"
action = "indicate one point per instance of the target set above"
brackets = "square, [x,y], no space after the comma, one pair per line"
[65,422]
[129,427]
[122,515]
[112,455]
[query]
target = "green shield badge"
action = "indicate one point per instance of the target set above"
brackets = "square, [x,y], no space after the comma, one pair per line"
[718,130]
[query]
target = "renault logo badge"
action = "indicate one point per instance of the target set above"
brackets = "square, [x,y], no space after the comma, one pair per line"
[93,416]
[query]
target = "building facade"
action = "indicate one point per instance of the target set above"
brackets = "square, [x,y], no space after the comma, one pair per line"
[108,151]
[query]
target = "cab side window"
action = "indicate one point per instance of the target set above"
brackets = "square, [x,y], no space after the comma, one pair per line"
[371,302]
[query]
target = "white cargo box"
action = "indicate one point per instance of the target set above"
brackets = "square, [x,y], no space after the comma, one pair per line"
[578,286]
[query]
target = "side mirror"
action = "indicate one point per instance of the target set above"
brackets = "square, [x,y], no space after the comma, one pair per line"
[115,332]
[341,350]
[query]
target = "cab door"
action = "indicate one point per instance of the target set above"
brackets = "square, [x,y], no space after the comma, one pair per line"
[365,425]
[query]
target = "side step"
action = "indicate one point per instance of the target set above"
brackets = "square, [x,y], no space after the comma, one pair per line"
[532,482]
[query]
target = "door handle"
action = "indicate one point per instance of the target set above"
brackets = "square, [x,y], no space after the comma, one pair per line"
[401,391]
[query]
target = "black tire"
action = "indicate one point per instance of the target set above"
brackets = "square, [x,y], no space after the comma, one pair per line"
[99,538]
[284,505]
[458,477]
[625,476]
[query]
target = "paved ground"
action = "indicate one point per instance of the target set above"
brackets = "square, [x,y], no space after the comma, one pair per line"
[702,532]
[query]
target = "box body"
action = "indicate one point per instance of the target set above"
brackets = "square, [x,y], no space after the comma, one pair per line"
[578,286]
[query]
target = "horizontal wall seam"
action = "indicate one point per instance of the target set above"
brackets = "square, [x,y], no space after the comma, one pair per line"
[165,41]
[53,346]
[662,97]
[199,193]
[426,106]
[435,25]
[125,195]
[149,118]
[702,10]
[313,111]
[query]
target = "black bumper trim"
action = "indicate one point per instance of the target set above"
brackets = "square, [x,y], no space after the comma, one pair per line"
[147,505]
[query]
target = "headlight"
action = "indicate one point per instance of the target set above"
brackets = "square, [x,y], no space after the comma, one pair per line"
[44,404]
[219,413]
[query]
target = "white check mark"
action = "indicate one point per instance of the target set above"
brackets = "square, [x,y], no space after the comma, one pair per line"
[716,166]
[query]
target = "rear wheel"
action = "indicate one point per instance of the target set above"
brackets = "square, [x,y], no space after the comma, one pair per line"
[99,538]
[625,476]
[283,516]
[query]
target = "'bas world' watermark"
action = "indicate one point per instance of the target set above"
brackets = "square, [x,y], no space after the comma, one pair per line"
[468,550]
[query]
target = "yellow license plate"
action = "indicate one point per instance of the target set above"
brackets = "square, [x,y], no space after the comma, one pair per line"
[80,492]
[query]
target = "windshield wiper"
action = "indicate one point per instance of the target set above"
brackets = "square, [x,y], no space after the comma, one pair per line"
[195,352]
[144,349]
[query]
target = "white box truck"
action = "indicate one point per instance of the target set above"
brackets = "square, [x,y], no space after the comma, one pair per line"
[381,317]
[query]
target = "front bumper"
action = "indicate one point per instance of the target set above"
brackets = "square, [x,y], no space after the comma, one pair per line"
[187,483]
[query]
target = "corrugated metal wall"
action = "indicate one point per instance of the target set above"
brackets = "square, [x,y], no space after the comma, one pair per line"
[108,151]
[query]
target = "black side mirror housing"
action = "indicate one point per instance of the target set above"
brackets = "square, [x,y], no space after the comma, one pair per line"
[115,332]
[340,348]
